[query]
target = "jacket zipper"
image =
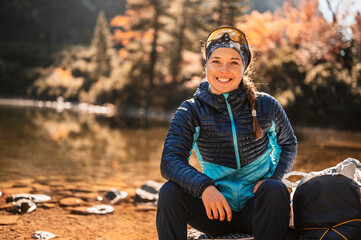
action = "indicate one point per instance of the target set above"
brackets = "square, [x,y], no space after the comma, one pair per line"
[234,133]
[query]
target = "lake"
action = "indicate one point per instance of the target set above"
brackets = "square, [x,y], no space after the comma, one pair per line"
[88,148]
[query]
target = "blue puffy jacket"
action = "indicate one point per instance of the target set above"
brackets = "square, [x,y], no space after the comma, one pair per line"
[220,130]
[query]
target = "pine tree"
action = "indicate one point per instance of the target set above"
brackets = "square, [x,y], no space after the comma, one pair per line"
[226,12]
[150,13]
[101,44]
[188,28]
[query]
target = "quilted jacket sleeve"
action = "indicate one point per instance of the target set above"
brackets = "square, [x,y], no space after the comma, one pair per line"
[176,151]
[286,139]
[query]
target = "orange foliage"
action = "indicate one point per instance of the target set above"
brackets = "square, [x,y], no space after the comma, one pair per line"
[122,53]
[119,21]
[61,74]
[302,26]
[263,30]
[126,35]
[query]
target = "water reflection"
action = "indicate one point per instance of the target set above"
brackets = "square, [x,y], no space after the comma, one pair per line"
[84,147]
[42,143]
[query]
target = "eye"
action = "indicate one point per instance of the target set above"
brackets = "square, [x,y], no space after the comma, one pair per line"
[215,61]
[235,63]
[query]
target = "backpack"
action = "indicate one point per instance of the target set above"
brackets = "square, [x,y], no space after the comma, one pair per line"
[328,207]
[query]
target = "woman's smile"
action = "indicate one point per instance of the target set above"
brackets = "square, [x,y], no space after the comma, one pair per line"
[224,79]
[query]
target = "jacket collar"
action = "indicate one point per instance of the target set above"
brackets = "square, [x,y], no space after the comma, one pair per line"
[237,98]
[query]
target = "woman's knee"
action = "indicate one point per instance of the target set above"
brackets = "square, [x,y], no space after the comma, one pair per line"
[274,188]
[169,192]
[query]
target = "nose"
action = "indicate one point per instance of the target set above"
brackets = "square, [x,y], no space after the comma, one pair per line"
[224,68]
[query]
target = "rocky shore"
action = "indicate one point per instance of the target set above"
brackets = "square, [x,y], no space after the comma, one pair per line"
[45,208]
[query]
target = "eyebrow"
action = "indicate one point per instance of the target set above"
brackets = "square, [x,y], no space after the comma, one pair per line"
[233,58]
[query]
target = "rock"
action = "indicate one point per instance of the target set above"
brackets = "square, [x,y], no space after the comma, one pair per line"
[24,206]
[23,182]
[43,235]
[8,220]
[6,206]
[100,209]
[71,201]
[36,198]
[47,205]
[151,186]
[97,209]
[11,191]
[148,192]
[115,196]
[79,210]
[88,196]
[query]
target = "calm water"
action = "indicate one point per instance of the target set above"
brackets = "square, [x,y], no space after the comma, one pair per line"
[87,148]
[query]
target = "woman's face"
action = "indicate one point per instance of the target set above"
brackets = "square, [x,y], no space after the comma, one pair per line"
[224,70]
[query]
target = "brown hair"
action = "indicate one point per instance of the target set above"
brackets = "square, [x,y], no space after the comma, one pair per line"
[248,86]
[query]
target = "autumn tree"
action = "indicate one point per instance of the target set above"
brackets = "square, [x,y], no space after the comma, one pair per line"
[186,29]
[226,12]
[102,46]
[145,20]
[356,37]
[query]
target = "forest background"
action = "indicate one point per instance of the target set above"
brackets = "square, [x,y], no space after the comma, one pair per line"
[146,54]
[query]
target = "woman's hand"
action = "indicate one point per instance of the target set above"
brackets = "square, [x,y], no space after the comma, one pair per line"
[257,185]
[216,205]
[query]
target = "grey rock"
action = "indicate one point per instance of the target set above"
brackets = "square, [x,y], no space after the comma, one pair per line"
[148,192]
[43,235]
[100,209]
[115,196]
[24,206]
[36,198]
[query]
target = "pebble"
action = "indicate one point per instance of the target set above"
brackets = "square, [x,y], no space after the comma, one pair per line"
[43,235]
[71,201]
[24,206]
[10,191]
[8,220]
[115,196]
[88,196]
[36,198]
[152,186]
[6,206]
[100,209]
[148,192]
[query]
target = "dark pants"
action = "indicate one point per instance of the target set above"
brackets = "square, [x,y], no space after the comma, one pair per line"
[266,215]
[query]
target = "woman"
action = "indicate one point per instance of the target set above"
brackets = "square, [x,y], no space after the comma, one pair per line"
[245,144]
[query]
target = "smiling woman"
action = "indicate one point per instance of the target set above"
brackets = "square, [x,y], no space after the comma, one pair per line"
[244,143]
[224,70]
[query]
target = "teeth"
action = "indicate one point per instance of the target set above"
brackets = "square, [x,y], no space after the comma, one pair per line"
[223,79]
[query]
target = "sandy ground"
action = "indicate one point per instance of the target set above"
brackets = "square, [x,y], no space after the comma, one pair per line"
[128,221]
